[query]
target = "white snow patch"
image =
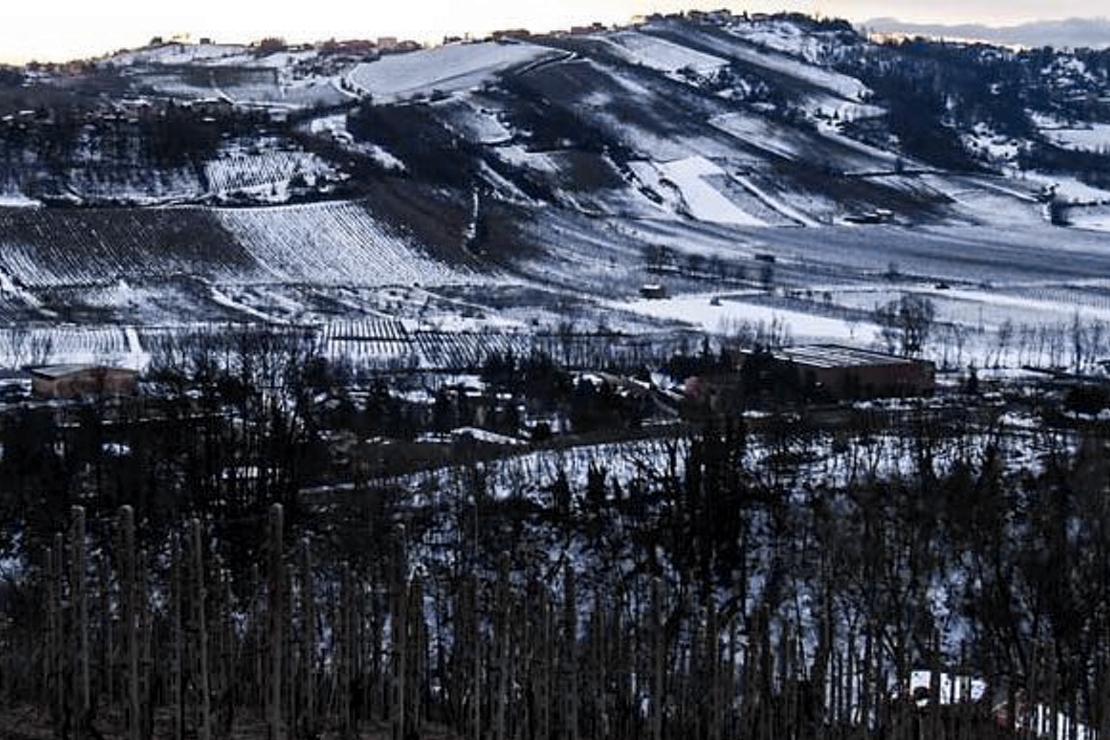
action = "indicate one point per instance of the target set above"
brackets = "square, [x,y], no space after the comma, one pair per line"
[995,147]
[1079,136]
[334,125]
[1069,189]
[1095,220]
[480,126]
[18,200]
[223,299]
[332,243]
[716,313]
[177,53]
[775,203]
[486,436]
[704,201]
[518,156]
[383,158]
[786,37]
[263,171]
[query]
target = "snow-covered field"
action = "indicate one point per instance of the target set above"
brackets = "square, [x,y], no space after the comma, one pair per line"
[723,314]
[1096,218]
[787,38]
[663,55]
[176,53]
[842,86]
[17,200]
[1001,297]
[700,198]
[476,123]
[757,132]
[265,174]
[332,243]
[1081,136]
[446,69]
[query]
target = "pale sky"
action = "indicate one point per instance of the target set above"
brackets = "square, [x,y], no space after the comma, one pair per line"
[56,30]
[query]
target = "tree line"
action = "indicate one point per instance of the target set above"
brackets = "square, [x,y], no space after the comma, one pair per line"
[756,579]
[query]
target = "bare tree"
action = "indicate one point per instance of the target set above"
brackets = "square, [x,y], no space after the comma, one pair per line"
[41,348]
[907,321]
[1005,336]
[16,341]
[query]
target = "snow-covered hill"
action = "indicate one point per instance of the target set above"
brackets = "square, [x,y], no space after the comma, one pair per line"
[761,169]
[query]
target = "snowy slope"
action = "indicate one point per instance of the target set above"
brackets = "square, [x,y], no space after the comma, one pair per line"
[452,68]
[1082,136]
[265,174]
[331,243]
[691,177]
[710,157]
[660,54]
[789,38]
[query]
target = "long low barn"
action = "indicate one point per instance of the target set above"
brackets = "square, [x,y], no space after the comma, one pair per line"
[841,372]
[78,381]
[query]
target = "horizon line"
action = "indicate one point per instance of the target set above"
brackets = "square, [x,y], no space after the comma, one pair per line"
[439,39]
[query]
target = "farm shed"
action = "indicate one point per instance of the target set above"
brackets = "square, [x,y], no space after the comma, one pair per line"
[78,381]
[839,372]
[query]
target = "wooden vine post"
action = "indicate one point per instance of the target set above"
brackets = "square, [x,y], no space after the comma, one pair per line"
[399,624]
[277,588]
[128,601]
[658,649]
[308,643]
[80,598]
[570,655]
[200,622]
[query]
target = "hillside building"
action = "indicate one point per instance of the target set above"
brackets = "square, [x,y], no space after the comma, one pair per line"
[82,381]
[837,372]
[818,373]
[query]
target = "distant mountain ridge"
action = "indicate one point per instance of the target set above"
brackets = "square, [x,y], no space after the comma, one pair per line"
[1072,32]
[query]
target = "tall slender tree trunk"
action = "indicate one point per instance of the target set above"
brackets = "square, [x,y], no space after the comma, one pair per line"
[200,624]
[276,621]
[128,594]
[82,688]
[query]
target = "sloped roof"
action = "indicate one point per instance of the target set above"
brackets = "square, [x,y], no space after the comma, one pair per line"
[54,372]
[836,355]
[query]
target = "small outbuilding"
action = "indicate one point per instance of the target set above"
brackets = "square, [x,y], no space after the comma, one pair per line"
[81,381]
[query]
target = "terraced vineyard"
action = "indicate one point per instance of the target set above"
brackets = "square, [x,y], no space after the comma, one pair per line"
[267,169]
[369,342]
[459,350]
[338,243]
[62,344]
[48,248]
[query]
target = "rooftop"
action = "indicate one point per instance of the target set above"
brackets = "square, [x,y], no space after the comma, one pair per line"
[60,371]
[835,355]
